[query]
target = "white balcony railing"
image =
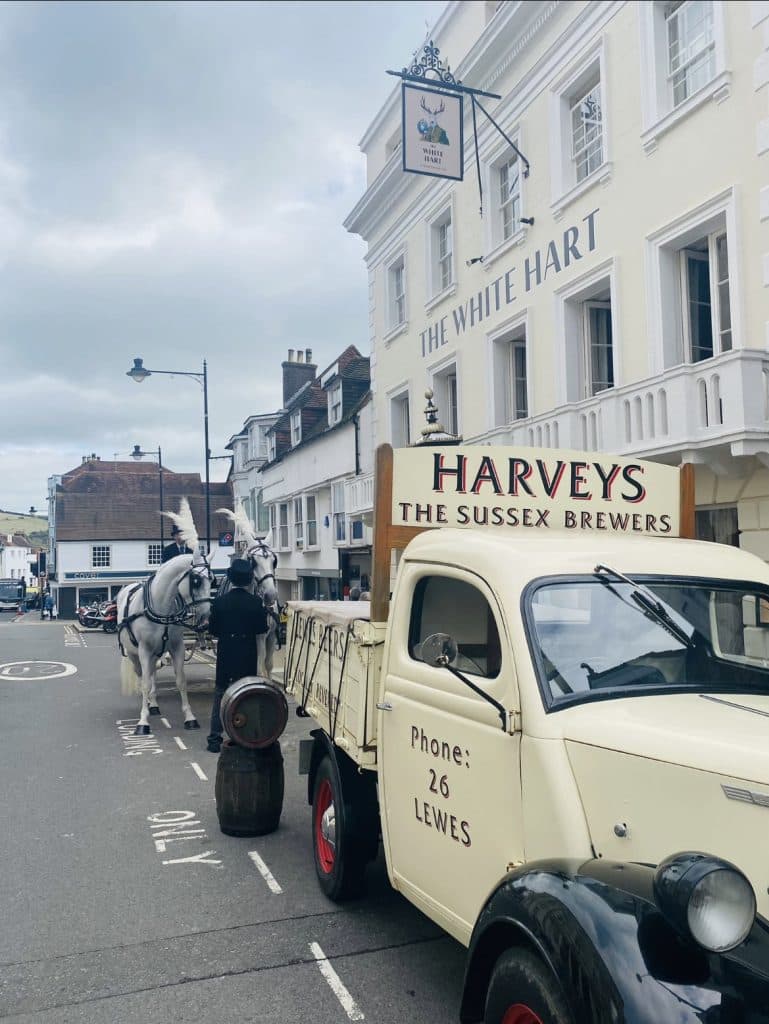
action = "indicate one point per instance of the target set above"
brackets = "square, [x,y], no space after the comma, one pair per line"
[724,400]
[359,495]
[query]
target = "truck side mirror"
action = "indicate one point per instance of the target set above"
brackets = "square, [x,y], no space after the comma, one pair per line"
[439,650]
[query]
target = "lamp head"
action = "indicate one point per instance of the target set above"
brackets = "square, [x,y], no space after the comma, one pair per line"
[138,372]
[137,453]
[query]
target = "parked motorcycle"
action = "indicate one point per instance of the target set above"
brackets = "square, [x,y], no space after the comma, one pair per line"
[98,614]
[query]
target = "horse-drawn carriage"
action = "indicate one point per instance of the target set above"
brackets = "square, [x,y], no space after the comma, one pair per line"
[169,613]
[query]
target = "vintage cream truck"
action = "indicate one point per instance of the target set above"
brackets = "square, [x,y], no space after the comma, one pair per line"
[556,720]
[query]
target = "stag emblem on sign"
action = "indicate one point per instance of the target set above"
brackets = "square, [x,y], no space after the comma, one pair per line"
[429,128]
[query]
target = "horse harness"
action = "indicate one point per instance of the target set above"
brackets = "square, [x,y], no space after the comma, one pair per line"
[177,617]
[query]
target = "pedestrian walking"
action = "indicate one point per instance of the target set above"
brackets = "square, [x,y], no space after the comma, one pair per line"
[48,606]
[176,547]
[237,618]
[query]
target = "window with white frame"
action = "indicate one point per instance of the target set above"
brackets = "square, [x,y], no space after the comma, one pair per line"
[590,354]
[272,445]
[441,252]
[396,293]
[511,388]
[283,526]
[509,197]
[400,420]
[693,308]
[580,129]
[101,556]
[446,398]
[261,512]
[706,308]
[598,346]
[335,403]
[691,48]
[337,507]
[298,524]
[587,129]
[505,190]
[683,59]
[154,554]
[312,520]
[296,427]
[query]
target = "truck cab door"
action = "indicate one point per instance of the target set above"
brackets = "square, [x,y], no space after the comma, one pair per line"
[449,774]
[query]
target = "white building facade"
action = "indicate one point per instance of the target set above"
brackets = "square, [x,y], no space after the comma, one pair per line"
[249,453]
[15,556]
[615,299]
[317,484]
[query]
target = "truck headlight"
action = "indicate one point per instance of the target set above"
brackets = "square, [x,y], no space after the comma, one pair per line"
[707,899]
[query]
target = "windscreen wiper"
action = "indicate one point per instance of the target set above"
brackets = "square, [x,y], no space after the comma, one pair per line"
[651,605]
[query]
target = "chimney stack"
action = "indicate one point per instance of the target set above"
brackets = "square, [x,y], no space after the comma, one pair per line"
[297,372]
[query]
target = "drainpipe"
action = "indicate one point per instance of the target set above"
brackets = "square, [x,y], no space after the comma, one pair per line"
[356,423]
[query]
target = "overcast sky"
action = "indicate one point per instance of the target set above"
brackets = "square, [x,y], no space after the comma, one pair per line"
[173,181]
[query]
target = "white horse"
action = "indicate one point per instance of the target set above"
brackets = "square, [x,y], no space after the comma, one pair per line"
[151,618]
[264,561]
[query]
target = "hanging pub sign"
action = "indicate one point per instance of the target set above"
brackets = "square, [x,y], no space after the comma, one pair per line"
[433,132]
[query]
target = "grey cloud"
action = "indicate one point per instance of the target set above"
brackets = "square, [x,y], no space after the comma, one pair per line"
[173,179]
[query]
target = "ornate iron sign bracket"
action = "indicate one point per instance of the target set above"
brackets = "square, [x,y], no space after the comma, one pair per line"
[429,69]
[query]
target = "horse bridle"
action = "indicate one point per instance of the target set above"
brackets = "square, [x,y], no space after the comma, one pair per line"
[262,548]
[182,608]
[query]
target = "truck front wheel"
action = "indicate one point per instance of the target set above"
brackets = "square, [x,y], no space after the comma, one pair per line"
[523,991]
[339,864]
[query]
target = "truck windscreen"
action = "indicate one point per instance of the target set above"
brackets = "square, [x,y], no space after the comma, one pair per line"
[591,637]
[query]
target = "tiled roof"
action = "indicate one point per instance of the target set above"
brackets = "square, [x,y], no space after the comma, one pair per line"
[18,540]
[121,501]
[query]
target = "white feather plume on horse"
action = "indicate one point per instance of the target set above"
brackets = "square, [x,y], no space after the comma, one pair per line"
[244,530]
[183,519]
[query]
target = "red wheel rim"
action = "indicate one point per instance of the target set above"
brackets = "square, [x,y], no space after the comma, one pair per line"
[324,800]
[520,1014]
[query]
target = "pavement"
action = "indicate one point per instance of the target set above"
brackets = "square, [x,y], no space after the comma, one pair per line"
[124,903]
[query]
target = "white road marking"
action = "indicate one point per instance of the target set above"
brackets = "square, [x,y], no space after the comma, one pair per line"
[166,723]
[198,771]
[181,745]
[348,1004]
[265,872]
[199,858]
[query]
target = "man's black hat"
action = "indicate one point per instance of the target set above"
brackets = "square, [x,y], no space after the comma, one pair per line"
[240,573]
[175,529]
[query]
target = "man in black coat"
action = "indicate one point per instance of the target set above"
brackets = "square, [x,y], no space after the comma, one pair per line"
[236,620]
[176,547]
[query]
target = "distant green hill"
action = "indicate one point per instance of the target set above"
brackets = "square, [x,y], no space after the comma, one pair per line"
[34,527]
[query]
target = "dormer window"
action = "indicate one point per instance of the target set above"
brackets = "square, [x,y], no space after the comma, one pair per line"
[335,403]
[272,446]
[296,427]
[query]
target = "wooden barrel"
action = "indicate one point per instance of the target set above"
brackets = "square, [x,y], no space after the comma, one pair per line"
[254,712]
[249,789]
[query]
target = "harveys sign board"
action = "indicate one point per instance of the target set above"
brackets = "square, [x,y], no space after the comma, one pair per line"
[540,489]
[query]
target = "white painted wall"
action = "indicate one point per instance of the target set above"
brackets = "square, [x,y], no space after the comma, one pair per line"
[660,174]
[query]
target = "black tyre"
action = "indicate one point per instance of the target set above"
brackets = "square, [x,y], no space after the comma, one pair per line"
[339,862]
[524,991]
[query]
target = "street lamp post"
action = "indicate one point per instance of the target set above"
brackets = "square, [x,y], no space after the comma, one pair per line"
[138,454]
[139,372]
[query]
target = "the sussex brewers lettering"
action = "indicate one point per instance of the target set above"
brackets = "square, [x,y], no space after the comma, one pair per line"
[532,488]
[559,254]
